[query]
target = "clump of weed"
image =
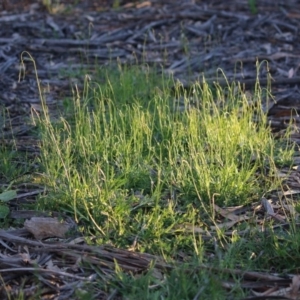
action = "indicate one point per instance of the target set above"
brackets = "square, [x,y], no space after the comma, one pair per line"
[134,161]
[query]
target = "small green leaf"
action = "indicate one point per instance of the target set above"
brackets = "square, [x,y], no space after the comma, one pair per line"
[4,211]
[8,195]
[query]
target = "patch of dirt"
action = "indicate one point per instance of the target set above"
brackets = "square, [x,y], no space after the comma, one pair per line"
[187,38]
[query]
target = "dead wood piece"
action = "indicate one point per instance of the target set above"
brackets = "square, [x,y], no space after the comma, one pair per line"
[248,83]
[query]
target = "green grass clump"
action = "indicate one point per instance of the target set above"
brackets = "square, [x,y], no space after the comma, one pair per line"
[131,160]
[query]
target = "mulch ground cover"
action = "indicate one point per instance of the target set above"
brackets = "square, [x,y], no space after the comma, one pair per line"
[188,39]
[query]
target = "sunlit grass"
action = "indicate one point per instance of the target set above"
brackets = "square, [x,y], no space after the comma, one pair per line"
[126,147]
[134,162]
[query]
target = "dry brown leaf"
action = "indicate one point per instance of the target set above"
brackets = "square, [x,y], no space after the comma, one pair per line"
[294,291]
[225,225]
[43,228]
[229,215]
[270,210]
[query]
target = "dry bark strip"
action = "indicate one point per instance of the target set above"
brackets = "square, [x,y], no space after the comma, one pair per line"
[55,264]
[216,35]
